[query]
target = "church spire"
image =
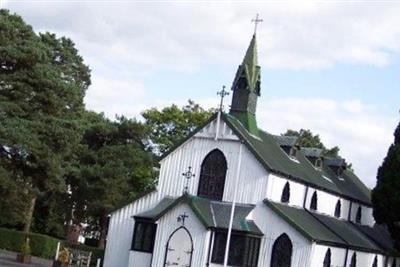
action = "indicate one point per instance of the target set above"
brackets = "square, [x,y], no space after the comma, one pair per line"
[246,89]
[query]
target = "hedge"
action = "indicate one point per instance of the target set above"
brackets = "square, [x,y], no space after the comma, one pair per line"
[41,245]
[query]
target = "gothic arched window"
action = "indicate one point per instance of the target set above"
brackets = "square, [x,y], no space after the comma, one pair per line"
[327,259]
[286,193]
[375,264]
[314,201]
[282,252]
[338,209]
[212,175]
[359,215]
[353,262]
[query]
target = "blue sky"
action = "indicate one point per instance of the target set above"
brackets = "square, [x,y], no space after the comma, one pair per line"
[329,66]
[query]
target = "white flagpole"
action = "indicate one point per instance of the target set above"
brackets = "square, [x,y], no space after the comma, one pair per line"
[228,239]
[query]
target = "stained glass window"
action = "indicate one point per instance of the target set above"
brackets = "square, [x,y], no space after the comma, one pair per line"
[314,201]
[243,250]
[353,262]
[359,215]
[338,209]
[143,236]
[327,259]
[212,175]
[282,252]
[286,193]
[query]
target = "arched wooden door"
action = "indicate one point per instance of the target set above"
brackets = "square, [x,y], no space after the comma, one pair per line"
[179,249]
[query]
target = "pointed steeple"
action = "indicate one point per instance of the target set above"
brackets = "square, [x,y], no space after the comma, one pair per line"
[246,89]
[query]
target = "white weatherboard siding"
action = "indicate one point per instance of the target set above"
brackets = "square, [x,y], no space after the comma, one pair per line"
[253,177]
[275,189]
[365,259]
[338,256]
[273,226]
[139,259]
[168,224]
[120,231]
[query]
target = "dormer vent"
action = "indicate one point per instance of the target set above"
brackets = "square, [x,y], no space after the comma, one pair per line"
[337,165]
[314,155]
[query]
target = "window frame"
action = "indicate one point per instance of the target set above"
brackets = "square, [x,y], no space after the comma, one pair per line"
[249,248]
[153,228]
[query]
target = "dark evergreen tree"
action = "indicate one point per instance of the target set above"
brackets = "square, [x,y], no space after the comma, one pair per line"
[386,194]
[42,84]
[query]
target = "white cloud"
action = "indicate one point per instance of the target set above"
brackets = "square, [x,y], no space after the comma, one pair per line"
[184,36]
[362,134]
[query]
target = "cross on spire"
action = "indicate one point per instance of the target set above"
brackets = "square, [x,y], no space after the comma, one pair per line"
[188,175]
[256,21]
[222,93]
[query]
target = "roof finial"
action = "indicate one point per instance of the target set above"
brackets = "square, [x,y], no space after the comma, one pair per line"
[222,94]
[256,21]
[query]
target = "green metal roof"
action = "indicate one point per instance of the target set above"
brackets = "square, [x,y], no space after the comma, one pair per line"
[305,223]
[381,236]
[348,232]
[267,149]
[324,229]
[212,214]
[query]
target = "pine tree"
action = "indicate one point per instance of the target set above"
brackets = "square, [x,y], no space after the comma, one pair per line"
[42,84]
[386,194]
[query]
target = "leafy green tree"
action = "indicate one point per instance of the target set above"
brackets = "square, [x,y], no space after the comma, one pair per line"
[386,194]
[42,84]
[112,163]
[171,124]
[308,139]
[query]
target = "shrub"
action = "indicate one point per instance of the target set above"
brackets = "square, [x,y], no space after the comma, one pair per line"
[40,245]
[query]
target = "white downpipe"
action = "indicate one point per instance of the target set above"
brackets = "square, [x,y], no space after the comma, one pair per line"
[228,239]
[218,123]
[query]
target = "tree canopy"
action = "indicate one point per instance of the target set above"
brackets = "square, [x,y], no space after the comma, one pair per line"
[172,124]
[308,139]
[385,195]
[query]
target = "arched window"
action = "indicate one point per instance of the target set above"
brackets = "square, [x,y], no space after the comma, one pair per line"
[394,263]
[212,175]
[327,259]
[353,262]
[286,193]
[375,264]
[314,201]
[338,209]
[359,215]
[282,252]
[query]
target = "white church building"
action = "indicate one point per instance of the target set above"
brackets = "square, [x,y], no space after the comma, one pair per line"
[293,205]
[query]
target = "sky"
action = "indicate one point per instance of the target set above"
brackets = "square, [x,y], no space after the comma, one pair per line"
[328,66]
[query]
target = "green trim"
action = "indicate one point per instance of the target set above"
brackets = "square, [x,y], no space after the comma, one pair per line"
[248,120]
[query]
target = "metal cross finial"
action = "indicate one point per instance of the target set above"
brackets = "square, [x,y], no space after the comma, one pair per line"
[256,21]
[188,175]
[182,218]
[222,93]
